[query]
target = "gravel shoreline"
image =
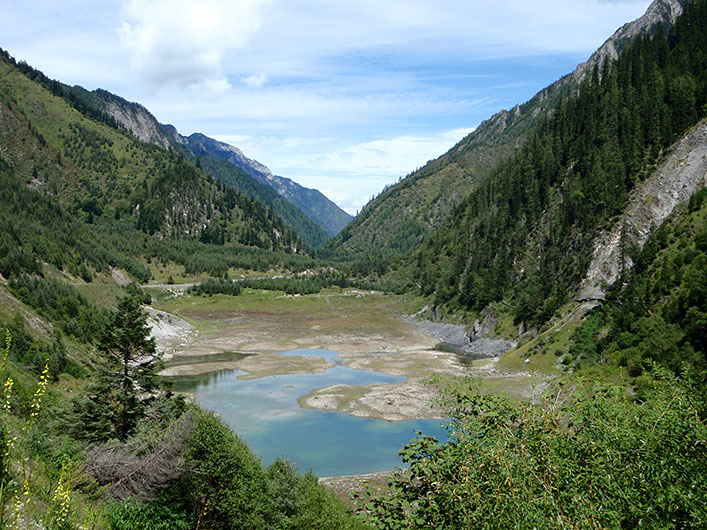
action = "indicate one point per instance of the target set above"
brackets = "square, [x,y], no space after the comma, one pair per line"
[457,337]
[345,486]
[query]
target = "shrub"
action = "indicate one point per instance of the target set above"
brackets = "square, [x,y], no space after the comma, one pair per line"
[598,460]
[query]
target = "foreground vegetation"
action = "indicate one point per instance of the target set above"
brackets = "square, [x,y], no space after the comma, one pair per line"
[120,451]
[590,458]
[626,453]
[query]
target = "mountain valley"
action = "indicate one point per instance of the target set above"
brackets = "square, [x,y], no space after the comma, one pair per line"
[541,288]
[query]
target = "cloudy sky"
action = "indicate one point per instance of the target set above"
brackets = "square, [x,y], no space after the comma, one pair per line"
[343,96]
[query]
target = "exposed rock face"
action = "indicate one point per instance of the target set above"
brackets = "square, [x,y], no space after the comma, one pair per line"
[471,343]
[659,12]
[138,120]
[482,328]
[683,173]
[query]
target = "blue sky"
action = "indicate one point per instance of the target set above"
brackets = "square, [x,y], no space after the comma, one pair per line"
[345,97]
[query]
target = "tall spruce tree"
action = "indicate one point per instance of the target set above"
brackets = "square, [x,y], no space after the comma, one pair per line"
[131,360]
[127,379]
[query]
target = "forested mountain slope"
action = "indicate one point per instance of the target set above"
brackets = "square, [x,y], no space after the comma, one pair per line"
[526,232]
[321,216]
[405,213]
[136,119]
[106,175]
[121,114]
[228,164]
[677,179]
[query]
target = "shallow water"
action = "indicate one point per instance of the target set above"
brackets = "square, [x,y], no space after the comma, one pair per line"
[266,414]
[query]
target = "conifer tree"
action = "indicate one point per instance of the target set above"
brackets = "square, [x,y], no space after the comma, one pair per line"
[127,375]
[131,359]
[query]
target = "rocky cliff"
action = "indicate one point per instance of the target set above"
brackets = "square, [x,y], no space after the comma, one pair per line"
[682,173]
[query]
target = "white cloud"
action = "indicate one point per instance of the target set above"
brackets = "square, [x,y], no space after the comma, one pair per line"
[183,42]
[304,33]
[384,159]
[255,80]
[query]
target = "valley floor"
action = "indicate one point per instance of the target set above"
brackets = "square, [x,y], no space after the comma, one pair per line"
[366,328]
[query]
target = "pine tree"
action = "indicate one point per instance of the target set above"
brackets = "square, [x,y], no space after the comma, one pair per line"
[131,359]
[127,379]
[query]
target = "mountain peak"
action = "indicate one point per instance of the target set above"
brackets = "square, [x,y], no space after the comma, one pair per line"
[229,153]
[659,12]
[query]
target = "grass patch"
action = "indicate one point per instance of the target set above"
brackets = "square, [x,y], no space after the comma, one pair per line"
[333,310]
[99,293]
[544,351]
[514,387]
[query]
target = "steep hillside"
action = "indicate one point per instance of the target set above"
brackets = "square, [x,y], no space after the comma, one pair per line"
[526,233]
[105,175]
[679,177]
[403,214]
[119,113]
[310,201]
[658,311]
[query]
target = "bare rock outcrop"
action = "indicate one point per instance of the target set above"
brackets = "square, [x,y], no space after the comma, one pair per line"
[138,120]
[682,174]
[473,342]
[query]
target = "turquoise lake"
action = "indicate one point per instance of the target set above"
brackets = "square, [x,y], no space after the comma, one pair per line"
[265,413]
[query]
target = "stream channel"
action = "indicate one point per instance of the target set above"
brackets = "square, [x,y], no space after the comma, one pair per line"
[266,414]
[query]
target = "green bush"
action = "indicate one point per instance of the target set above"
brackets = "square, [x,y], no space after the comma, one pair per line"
[226,487]
[155,515]
[299,502]
[596,460]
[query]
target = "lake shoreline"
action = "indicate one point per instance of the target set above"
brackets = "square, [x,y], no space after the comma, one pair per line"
[346,485]
[364,329]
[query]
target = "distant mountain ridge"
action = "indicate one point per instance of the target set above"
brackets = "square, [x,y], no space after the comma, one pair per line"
[314,204]
[404,214]
[311,201]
